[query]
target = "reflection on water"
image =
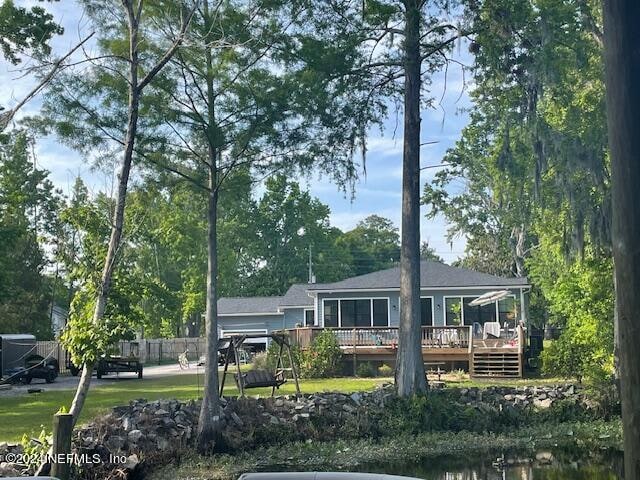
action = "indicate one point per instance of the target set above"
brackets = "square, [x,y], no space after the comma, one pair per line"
[546,466]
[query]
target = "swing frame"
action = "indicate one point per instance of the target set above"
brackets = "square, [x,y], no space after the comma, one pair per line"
[236,341]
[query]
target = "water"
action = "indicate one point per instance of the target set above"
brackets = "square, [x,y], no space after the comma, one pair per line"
[545,466]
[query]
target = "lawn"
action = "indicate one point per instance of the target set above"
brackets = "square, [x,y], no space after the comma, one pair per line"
[28,413]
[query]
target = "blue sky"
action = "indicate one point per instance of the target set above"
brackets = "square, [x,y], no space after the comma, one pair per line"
[378,192]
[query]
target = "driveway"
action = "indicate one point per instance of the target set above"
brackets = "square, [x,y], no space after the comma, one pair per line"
[68,382]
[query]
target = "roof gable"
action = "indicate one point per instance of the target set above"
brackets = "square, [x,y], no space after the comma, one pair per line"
[297,296]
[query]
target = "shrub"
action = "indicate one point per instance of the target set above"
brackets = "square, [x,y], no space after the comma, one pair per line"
[365,369]
[260,361]
[271,359]
[385,370]
[322,358]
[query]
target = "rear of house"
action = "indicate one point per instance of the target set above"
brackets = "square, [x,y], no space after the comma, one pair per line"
[364,313]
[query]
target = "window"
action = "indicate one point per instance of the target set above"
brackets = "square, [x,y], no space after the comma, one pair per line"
[453,311]
[426,312]
[380,312]
[355,313]
[478,313]
[331,313]
[309,318]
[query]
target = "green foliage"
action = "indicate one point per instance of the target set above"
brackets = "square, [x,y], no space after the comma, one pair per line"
[28,205]
[374,244]
[322,358]
[365,370]
[385,370]
[439,411]
[271,359]
[36,448]
[580,299]
[25,31]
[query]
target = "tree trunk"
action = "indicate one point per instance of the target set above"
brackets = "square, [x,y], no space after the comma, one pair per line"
[622,62]
[118,215]
[410,378]
[209,422]
[209,427]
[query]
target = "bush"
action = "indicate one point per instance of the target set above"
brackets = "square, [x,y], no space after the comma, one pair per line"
[322,358]
[271,357]
[260,361]
[385,370]
[365,369]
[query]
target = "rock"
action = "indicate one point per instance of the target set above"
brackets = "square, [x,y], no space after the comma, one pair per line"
[134,436]
[356,397]
[115,442]
[236,419]
[542,404]
[161,412]
[348,408]
[544,457]
[163,444]
[132,462]
[9,470]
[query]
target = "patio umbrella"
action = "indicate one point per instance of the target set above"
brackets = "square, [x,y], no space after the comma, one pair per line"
[490,297]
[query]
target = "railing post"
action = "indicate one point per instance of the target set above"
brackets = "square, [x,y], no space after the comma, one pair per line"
[62,430]
[354,353]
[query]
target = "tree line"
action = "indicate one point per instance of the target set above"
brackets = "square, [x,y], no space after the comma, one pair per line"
[55,242]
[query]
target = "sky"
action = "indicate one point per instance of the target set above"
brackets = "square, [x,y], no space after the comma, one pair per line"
[377,192]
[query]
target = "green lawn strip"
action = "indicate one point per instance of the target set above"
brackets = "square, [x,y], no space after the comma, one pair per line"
[351,454]
[28,413]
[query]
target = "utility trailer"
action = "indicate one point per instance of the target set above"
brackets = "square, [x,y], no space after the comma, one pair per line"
[114,362]
[121,363]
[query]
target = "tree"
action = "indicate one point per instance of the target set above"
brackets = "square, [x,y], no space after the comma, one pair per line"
[289,226]
[429,253]
[28,207]
[622,49]
[386,50]
[25,31]
[374,244]
[138,74]
[233,102]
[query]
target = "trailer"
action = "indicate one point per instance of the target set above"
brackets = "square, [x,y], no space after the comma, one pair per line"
[121,363]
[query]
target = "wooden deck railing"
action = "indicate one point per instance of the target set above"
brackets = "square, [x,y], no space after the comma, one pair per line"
[432,337]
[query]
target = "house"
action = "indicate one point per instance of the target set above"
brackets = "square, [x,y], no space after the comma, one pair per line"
[364,312]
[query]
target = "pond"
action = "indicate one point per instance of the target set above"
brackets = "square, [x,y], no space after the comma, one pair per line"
[546,465]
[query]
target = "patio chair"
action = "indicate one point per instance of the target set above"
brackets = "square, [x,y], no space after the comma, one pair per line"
[491,330]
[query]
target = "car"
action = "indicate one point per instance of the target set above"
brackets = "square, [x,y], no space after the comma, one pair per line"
[35,366]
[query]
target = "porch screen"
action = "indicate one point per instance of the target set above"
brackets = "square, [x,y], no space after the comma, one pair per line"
[355,313]
[380,312]
[478,314]
[426,313]
[507,310]
[330,313]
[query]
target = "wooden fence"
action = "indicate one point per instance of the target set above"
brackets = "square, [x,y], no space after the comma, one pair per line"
[151,351]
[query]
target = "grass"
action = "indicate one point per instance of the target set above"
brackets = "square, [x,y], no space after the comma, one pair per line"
[29,413]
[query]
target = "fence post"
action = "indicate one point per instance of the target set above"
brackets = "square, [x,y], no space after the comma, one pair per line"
[62,429]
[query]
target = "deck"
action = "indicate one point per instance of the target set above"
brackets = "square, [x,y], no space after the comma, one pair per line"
[500,357]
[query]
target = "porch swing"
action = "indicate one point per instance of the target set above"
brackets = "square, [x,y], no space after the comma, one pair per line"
[258,378]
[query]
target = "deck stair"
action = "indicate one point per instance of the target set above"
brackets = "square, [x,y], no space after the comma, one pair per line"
[496,362]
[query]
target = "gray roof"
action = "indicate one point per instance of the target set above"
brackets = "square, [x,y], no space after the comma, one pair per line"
[231,305]
[432,274]
[297,296]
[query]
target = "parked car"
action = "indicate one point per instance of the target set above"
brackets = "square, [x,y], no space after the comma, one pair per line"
[35,366]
